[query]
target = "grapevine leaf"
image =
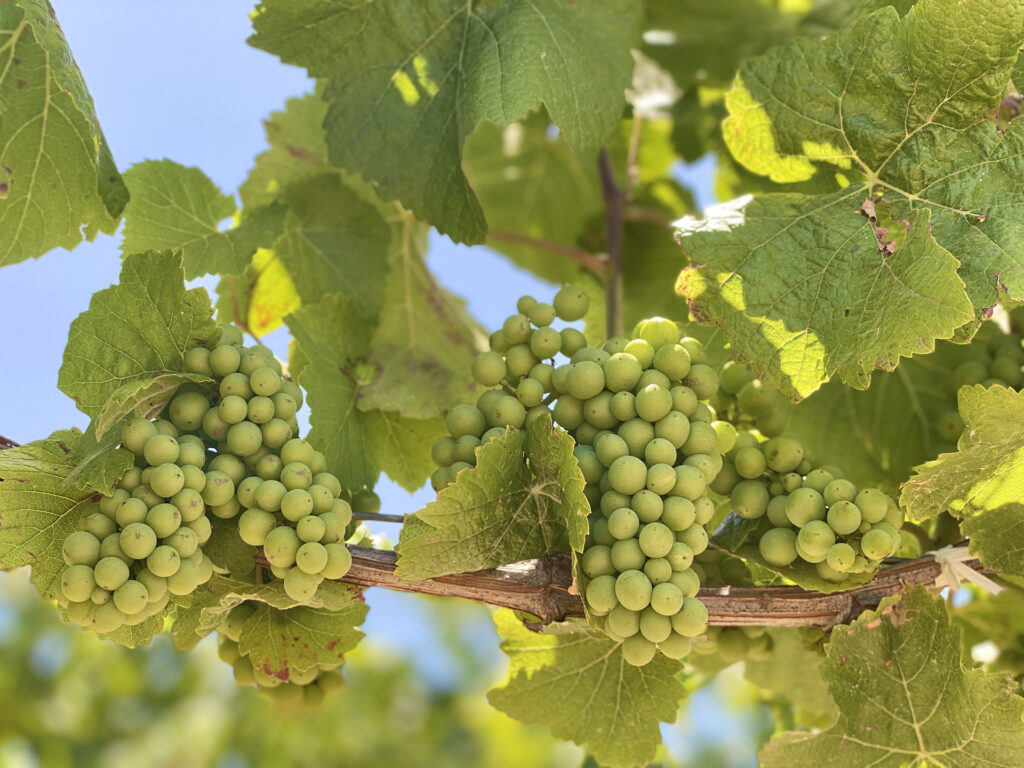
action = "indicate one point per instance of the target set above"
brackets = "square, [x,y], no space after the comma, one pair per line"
[408,85]
[144,397]
[425,343]
[58,180]
[300,638]
[997,538]
[739,537]
[986,471]
[332,334]
[135,330]
[138,635]
[791,659]
[888,428]
[99,464]
[512,506]
[574,680]
[335,242]
[872,102]
[402,446]
[899,671]
[263,295]
[37,508]
[177,207]
[226,549]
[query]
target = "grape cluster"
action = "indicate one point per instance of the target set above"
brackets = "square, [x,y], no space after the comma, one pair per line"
[744,399]
[135,548]
[732,644]
[637,410]
[814,514]
[302,690]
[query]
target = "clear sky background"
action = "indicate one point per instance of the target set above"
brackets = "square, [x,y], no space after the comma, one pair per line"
[177,80]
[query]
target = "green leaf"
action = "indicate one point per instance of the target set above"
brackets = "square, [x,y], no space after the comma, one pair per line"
[139,635]
[227,550]
[402,446]
[145,398]
[135,330]
[905,698]
[407,85]
[333,335]
[997,538]
[99,464]
[58,180]
[425,343]
[792,659]
[871,102]
[262,296]
[300,638]
[519,502]
[574,680]
[37,508]
[986,471]
[888,428]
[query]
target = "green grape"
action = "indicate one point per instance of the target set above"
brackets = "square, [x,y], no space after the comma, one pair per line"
[233,624]
[111,547]
[145,494]
[587,433]
[543,373]
[773,424]
[131,510]
[214,426]
[597,411]
[828,573]
[164,427]
[244,439]
[690,482]
[642,351]
[185,580]
[254,525]
[687,581]
[843,516]
[545,343]
[601,594]
[726,434]
[110,573]
[679,513]
[817,480]
[970,372]
[599,531]
[298,450]
[584,380]
[647,504]
[525,304]
[219,488]
[666,600]
[610,447]
[777,512]
[709,464]
[675,646]
[568,412]
[704,509]
[456,468]
[261,410]
[164,519]
[804,505]
[750,463]
[615,345]
[726,479]
[659,451]
[589,464]
[296,504]
[311,557]
[160,449]
[235,384]
[164,561]
[612,500]
[703,380]
[265,381]
[656,539]
[155,585]
[77,582]
[465,449]
[653,403]
[107,618]
[622,372]
[495,433]
[202,528]
[229,465]
[695,537]
[516,329]
[839,490]
[701,439]
[285,406]
[783,454]
[572,341]
[519,360]
[755,398]
[323,500]
[184,541]
[656,626]
[692,618]
[633,590]
[872,504]
[672,360]
[280,546]
[335,522]
[81,548]
[658,570]
[627,555]
[99,525]
[530,392]
[674,427]
[245,491]
[949,425]
[684,400]
[131,597]
[269,494]
[750,499]
[658,331]
[778,546]
[622,621]
[339,561]
[189,455]
[505,411]
[571,303]
[638,650]
[627,474]
[840,557]
[623,523]
[597,561]
[186,410]
[138,540]
[662,478]
[230,335]
[136,433]
[166,480]
[296,475]
[816,537]
[197,360]
[680,556]
[109,504]
[734,375]
[651,376]
[637,433]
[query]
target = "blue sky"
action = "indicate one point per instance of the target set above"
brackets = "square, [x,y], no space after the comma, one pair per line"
[177,80]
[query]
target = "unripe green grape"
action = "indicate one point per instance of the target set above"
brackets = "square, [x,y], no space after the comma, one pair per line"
[687,581]
[584,380]
[655,626]
[840,557]
[703,380]
[191,454]
[872,504]
[701,439]
[726,434]
[265,381]
[571,303]
[260,410]
[651,376]
[777,512]
[296,504]
[675,646]
[661,479]
[638,650]
[131,510]
[285,406]
[109,504]
[610,447]
[110,573]
[296,475]
[666,600]
[828,573]
[615,345]
[219,488]
[99,525]
[516,329]
[778,546]
[323,500]
[107,618]
[269,494]
[726,479]
[734,375]
[251,359]
[679,513]
[505,411]
[138,540]
[673,360]
[839,490]
[185,580]
[155,585]
[465,450]
[627,475]
[783,454]
[456,468]
[545,343]
[623,406]
[298,450]
[704,509]
[949,425]
[659,451]
[590,466]
[597,561]
[202,528]
[245,491]
[498,343]
[187,410]
[236,384]
[77,582]
[184,541]
[254,525]
[648,505]
[658,331]
[339,561]
[695,537]
[166,480]
[679,556]
[111,547]
[598,527]
[622,372]
[690,483]
[572,341]
[633,590]
[280,546]
[597,412]
[817,479]
[894,535]
[843,516]
[612,500]
[622,621]
[197,360]
[164,427]
[524,304]
[600,594]
[494,433]
[160,449]
[136,433]
[230,335]
[804,505]
[750,463]
[636,433]
[131,597]
[658,570]
[244,439]
[311,557]
[692,618]
[627,555]
[756,399]
[623,523]
[653,403]
[519,360]
[773,424]
[816,538]
[81,548]
[214,426]
[146,495]
[228,510]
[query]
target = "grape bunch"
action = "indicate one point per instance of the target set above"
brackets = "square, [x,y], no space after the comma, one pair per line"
[813,514]
[637,410]
[745,400]
[732,644]
[303,690]
[135,548]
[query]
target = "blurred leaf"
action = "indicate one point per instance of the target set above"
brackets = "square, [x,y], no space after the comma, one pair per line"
[574,680]
[791,670]
[58,181]
[135,330]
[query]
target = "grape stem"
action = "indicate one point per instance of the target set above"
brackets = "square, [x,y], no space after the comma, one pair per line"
[544,588]
[615,207]
[592,262]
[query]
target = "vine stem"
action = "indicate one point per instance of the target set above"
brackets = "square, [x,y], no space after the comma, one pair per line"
[592,262]
[615,207]
[544,588]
